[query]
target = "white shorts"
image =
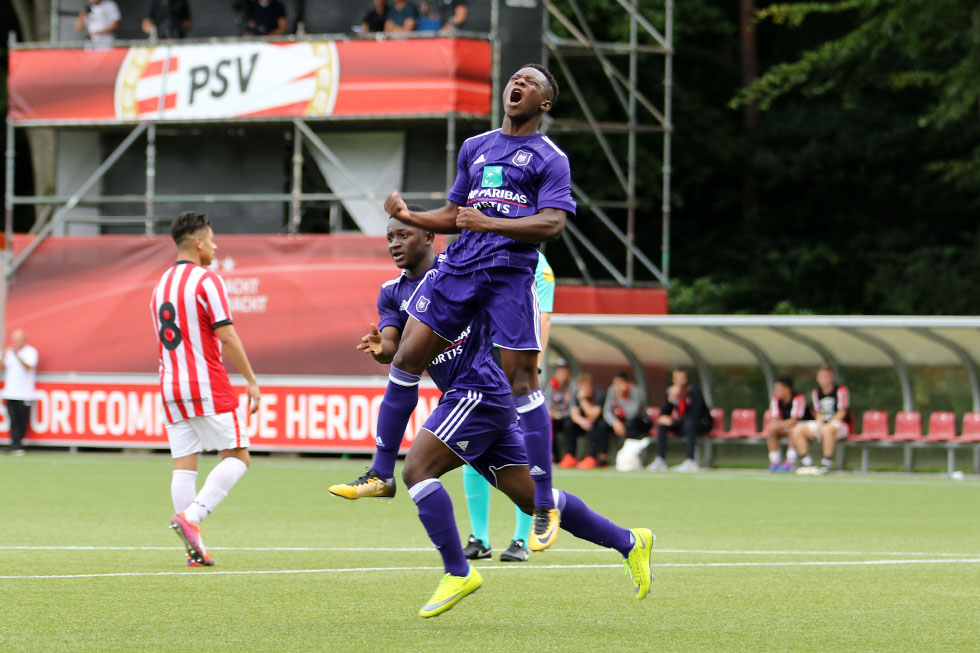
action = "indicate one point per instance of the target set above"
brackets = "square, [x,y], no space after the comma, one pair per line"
[843,429]
[206,433]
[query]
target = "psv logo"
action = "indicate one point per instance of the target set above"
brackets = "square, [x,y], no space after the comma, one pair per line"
[422,304]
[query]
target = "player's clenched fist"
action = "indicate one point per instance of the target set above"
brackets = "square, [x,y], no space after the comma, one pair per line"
[371,341]
[467,218]
[395,206]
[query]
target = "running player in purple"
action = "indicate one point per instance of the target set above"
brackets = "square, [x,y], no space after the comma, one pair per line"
[476,423]
[512,191]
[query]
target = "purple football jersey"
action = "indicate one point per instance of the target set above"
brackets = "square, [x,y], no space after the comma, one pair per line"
[506,177]
[467,363]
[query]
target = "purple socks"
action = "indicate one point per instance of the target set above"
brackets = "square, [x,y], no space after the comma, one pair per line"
[436,513]
[536,425]
[401,398]
[585,523]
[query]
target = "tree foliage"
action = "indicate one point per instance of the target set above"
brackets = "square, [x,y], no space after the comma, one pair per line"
[866,157]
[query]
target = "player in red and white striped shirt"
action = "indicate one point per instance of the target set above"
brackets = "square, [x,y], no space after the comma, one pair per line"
[786,409]
[832,420]
[193,325]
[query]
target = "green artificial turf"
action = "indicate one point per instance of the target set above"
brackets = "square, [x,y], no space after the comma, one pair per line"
[745,561]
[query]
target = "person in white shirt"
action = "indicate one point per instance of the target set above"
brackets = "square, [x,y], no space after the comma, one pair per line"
[100,19]
[19,366]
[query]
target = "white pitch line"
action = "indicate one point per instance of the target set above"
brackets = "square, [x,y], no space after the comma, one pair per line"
[816,563]
[328,549]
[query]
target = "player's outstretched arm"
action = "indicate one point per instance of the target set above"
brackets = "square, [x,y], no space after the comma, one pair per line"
[543,227]
[381,345]
[440,221]
[236,354]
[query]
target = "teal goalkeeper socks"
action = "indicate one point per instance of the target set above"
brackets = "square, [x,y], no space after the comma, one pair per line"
[522,525]
[477,490]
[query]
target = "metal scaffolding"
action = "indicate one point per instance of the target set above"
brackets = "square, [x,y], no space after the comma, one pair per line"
[583,43]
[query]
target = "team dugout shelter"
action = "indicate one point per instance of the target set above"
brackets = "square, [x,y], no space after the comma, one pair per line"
[913,380]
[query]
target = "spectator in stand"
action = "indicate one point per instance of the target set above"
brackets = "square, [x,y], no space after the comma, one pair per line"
[402,17]
[266,18]
[684,411]
[168,19]
[100,20]
[832,411]
[625,411]
[787,409]
[19,365]
[430,20]
[587,416]
[453,14]
[559,393]
[374,19]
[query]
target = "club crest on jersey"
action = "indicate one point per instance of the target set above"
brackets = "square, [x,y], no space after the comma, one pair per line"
[522,158]
[422,304]
[493,177]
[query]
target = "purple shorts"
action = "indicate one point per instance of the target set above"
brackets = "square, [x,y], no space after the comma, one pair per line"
[447,303]
[479,428]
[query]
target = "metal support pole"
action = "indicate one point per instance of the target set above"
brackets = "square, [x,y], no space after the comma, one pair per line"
[611,226]
[73,201]
[55,25]
[824,353]
[321,147]
[631,150]
[639,374]
[295,206]
[668,130]
[8,197]
[450,150]
[904,380]
[151,176]
[764,362]
[704,372]
[965,360]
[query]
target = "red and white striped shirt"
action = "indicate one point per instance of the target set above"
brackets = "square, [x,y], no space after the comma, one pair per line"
[829,403]
[793,409]
[188,304]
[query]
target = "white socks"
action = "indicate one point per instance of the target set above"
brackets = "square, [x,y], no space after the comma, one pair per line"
[774,457]
[183,488]
[808,460]
[792,456]
[221,479]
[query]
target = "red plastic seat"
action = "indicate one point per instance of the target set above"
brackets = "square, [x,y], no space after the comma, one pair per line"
[971,428]
[942,426]
[908,426]
[718,416]
[874,426]
[743,423]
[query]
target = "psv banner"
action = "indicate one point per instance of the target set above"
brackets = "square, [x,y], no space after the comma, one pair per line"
[295,414]
[250,79]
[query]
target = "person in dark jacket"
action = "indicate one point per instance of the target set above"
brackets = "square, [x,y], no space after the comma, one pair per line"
[684,412]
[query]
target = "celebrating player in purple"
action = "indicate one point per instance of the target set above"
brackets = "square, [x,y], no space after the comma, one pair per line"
[475,423]
[512,191]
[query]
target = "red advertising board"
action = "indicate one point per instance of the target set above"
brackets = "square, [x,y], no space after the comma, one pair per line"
[249,79]
[295,414]
[300,304]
